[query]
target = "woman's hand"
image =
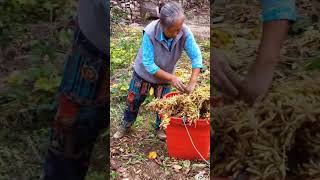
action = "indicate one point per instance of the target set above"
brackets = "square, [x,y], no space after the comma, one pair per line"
[191,86]
[193,80]
[177,83]
[223,76]
[174,80]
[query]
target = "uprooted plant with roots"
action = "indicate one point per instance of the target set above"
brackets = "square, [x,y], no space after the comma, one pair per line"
[275,137]
[192,106]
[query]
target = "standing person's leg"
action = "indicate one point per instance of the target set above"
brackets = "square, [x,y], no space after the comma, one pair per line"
[159,92]
[82,112]
[137,93]
[71,147]
[56,159]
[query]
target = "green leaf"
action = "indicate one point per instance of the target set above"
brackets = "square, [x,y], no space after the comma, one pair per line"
[314,64]
[15,78]
[43,84]
[56,81]
[113,174]
[64,38]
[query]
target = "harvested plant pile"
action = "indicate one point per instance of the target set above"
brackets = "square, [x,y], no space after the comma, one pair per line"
[193,106]
[273,139]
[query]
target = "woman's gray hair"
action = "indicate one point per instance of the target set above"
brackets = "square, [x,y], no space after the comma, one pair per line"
[170,12]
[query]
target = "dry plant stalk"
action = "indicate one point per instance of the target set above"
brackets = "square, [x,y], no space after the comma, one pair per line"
[193,106]
[258,139]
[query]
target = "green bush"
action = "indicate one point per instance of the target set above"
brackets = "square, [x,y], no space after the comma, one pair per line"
[124,47]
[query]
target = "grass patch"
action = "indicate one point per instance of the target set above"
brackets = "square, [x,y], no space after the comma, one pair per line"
[40,33]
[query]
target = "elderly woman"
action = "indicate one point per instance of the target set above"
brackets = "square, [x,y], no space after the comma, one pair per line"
[162,45]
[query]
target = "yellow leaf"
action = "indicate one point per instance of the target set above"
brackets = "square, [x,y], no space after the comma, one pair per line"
[179,73]
[152,155]
[124,87]
[221,38]
[151,91]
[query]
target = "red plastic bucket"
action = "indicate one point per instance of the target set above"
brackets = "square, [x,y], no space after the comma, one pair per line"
[178,141]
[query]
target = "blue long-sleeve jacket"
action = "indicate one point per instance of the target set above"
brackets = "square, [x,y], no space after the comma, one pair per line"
[191,47]
[278,9]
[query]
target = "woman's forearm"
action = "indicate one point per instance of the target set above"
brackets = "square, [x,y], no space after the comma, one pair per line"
[259,77]
[194,75]
[161,74]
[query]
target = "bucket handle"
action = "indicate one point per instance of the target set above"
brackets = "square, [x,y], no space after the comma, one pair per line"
[184,120]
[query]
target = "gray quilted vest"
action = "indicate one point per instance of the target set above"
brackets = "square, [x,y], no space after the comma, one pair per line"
[164,58]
